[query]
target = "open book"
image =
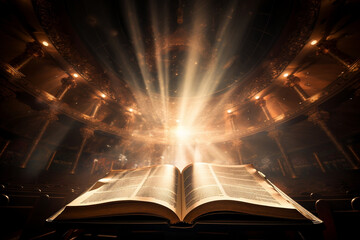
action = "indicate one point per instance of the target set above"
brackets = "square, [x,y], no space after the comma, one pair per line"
[200,189]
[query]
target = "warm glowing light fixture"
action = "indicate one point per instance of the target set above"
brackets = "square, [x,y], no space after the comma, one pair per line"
[286,74]
[102,95]
[313,42]
[45,43]
[76,75]
[257,97]
[131,110]
[229,111]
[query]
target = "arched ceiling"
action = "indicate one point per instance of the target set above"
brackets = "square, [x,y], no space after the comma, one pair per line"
[161,44]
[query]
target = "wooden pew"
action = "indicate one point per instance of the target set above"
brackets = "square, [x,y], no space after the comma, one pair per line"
[23,200]
[25,215]
[13,219]
[43,209]
[341,220]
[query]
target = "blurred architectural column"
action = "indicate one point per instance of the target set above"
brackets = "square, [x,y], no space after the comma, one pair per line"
[275,135]
[293,82]
[231,119]
[238,147]
[350,147]
[95,109]
[318,161]
[180,12]
[48,117]
[94,165]
[51,159]
[66,84]
[319,118]
[329,47]
[262,103]
[281,167]
[3,149]
[236,143]
[32,50]
[86,133]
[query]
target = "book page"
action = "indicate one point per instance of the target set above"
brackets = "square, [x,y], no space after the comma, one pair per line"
[244,183]
[159,184]
[199,184]
[209,182]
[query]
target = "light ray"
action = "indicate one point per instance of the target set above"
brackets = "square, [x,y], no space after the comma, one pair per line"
[162,70]
[189,126]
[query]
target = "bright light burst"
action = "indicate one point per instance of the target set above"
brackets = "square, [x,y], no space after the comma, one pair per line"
[186,126]
[182,133]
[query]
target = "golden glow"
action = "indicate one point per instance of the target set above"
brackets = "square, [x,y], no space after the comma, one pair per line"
[186,128]
[313,42]
[257,97]
[286,74]
[182,133]
[75,75]
[280,117]
[45,43]
[103,95]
